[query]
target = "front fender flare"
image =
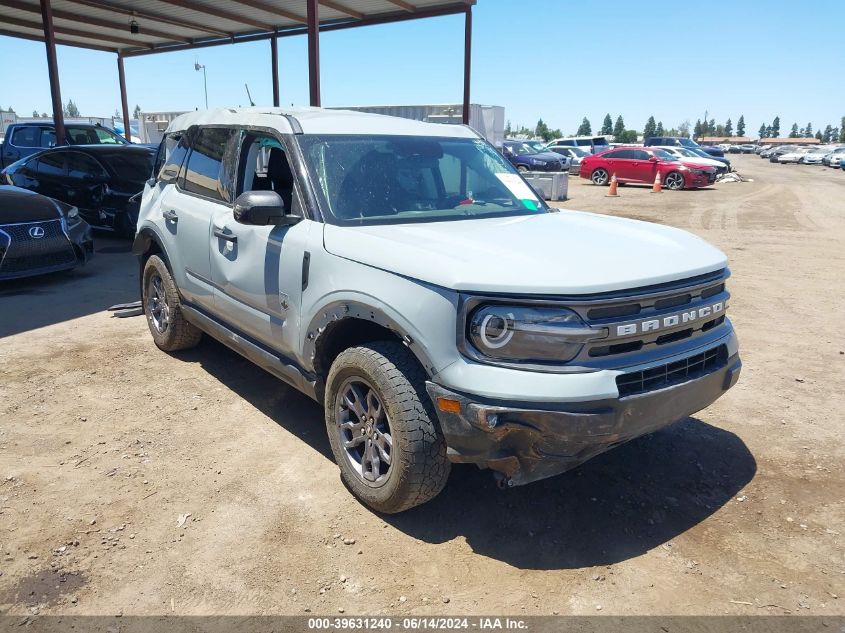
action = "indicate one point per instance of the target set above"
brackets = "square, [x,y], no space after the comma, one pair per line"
[341,310]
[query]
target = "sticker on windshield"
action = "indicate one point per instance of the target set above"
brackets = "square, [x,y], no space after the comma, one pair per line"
[518,188]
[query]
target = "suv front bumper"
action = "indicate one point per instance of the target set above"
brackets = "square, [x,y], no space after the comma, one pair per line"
[525,442]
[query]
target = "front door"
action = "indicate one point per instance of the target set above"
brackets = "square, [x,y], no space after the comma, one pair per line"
[257,270]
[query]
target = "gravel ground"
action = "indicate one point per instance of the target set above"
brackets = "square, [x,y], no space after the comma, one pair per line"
[140,483]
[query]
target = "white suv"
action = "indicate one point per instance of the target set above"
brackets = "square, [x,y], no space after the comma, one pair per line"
[404,275]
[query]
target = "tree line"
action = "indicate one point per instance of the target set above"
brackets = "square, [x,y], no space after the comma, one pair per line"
[621,134]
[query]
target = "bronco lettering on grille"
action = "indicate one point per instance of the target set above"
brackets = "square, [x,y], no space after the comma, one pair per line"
[671,320]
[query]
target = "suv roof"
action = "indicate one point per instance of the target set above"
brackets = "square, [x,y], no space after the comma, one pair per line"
[319,121]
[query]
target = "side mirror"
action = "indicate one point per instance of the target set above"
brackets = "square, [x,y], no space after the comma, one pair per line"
[653,159]
[262,208]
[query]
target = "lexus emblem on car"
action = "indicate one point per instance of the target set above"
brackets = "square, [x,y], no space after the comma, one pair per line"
[36,232]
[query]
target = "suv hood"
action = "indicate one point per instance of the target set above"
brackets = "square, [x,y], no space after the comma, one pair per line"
[569,252]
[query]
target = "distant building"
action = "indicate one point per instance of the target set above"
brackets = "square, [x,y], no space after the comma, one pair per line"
[789,141]
[733,140]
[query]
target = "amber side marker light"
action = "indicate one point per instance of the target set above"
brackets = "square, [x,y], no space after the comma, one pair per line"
[448,405]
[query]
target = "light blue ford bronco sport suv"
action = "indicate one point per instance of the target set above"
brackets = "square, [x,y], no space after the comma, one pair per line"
[404,275]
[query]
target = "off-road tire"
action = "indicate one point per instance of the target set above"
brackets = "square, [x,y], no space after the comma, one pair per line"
[179,334]
[419,468]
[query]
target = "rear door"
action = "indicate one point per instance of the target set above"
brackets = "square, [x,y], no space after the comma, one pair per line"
[258,270]
[51,176]
[619,163]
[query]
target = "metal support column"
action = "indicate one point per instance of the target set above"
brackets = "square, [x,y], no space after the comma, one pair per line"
[121,76]
[274,64]
[53,70]
[467,61]
[313,17]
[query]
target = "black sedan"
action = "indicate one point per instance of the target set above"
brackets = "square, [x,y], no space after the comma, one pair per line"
[40,235]
[99,180]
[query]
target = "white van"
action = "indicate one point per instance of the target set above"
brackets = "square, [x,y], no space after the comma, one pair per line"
[592,144]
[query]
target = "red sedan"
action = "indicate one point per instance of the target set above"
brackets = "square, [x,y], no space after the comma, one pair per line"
[641,164]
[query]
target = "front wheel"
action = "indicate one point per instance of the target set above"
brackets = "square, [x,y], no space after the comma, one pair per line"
[674,181]
[382,428]
[522,168]
[600,176]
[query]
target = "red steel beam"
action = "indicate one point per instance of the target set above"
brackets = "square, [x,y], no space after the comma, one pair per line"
[152,16]
[219,13]
[111,39]
[314,51]
[121,77]
[274,65]
[404,5]
[269,8]
[459,9]
[63,42]
[467,61]
[92,21]
[53,71]
[337,6]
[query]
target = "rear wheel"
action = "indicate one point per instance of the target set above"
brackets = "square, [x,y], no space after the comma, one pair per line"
[674,180]
[382,429]
[163,309]
[600,176]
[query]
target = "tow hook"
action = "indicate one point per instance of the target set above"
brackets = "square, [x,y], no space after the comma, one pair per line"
[502,481]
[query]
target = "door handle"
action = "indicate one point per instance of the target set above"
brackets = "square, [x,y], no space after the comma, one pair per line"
[170,215]
[225,236]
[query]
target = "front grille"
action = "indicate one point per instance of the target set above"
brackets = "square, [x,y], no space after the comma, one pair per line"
[655,306]
[673,373]
[24,253]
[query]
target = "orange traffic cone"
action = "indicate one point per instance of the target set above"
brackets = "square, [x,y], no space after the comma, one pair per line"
[658,185]
[613,187]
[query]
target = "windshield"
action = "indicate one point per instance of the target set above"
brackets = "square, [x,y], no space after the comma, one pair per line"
[399,179]
[683,151]
[537,146]
[687,142]
[93,136]
[579,152]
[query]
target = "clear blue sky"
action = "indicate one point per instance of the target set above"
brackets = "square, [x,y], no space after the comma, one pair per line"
[557,59]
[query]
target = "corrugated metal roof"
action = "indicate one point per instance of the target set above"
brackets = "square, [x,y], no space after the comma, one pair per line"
[165,24]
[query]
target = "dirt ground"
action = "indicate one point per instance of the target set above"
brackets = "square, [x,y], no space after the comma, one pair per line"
[106,442]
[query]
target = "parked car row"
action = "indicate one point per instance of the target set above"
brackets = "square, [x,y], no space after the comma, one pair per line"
[829,155]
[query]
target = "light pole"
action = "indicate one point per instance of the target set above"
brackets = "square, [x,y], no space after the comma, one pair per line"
[197,67]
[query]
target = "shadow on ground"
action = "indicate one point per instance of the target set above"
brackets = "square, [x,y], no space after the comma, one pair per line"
[110,277]
[615,507]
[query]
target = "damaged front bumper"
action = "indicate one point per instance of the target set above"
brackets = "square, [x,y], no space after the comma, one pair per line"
[525,442]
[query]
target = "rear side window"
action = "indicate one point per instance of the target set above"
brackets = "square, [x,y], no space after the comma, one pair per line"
[83,166]
[638,154]
[210,166]
[619,153]
[51,164]
[26,137]
[173,159]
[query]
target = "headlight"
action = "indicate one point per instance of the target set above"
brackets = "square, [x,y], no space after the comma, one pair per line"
[523,334]
[535,161]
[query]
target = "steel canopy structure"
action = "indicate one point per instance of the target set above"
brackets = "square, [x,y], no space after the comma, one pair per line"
[130,28]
